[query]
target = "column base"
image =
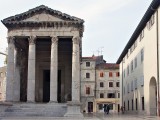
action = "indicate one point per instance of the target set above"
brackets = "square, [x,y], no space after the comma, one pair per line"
[73,109]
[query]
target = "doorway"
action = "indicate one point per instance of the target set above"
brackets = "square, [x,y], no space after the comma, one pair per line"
[46,85]
[153,96]
[90,107]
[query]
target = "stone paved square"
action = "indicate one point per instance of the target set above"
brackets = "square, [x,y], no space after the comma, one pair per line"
[99,116]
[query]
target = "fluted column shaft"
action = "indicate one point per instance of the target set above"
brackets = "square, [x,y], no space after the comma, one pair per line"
[31,70]
[76,70]
[53,70]
[10,69]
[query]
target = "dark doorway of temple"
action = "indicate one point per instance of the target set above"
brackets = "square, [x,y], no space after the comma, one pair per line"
[59,86]
[46,85]
[64,69]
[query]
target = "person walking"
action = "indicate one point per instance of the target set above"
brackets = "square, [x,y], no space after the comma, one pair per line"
[108,108]
[105,108]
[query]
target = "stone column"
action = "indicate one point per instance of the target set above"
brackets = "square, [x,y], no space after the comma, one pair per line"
[76,70]
[73,109]
[10,70]
[53,70]
[31,70]
[16,84]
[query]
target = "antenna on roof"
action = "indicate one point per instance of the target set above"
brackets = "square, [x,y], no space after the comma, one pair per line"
[98,52]
[101,51]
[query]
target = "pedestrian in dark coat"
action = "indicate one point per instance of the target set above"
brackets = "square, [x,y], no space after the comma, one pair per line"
[108,108]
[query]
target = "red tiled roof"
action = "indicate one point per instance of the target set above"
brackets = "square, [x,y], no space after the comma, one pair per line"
[107,66]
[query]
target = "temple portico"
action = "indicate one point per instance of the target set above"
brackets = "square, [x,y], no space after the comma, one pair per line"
[44,51]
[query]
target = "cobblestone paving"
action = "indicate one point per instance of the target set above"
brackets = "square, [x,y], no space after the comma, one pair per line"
[91,117]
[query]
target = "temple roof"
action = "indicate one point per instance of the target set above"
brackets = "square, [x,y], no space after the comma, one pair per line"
[19,19]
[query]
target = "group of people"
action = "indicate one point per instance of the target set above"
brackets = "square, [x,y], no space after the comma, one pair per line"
[106,108]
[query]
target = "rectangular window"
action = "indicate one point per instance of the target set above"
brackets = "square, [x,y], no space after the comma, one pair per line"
[128,87]
[118,95]
[141,35]
[142,55]
[111,106]
[117,74]
[136,104]
[110,74]
[100,106]
[132,104]
[135,83]
[87,64]
[87,75]
[101,84]
[135,44]
[131,85]
[142,103]
[101,74]
[117,84]
[150,22]
[128,70]
[135,62]
[111,95]
[87,90]
[110,84]
[124,74]
[128,104]
[132,66]
[101,95]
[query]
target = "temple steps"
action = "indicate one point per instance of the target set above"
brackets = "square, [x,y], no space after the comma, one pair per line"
[34,109]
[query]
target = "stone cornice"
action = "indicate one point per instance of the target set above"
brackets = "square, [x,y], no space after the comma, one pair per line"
[58,24]
[39,10]
[43,24]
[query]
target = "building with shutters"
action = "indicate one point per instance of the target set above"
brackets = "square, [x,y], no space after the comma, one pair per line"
[99,84]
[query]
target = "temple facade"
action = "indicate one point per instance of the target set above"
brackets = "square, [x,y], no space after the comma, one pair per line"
[44,51]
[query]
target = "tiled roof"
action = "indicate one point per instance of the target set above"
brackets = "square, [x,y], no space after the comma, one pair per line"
[107,66]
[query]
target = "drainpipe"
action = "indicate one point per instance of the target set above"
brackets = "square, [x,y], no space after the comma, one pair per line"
[158,63]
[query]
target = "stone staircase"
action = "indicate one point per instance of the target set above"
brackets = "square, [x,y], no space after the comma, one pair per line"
[34,109]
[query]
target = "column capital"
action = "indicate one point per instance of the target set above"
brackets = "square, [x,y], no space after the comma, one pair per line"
[32,40]
[11,39]
[76,40]
[54,39]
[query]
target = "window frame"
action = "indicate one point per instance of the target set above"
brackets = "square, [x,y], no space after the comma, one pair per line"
[88,64]
[111,85]
[87,75]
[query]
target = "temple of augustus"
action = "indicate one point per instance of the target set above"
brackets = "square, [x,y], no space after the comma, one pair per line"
[44,53]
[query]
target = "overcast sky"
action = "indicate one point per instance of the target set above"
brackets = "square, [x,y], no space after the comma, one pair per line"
[109,24]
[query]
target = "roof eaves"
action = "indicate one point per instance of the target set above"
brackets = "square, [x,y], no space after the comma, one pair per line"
[151,9]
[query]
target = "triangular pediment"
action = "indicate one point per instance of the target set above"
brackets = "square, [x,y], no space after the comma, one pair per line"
[40,14]
[43,17]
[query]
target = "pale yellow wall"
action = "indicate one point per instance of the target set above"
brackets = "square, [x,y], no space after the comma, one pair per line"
[148,69]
